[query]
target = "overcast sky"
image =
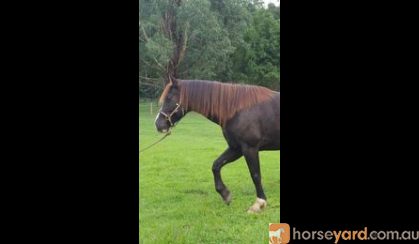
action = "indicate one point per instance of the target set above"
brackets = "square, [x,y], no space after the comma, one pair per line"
[266,2]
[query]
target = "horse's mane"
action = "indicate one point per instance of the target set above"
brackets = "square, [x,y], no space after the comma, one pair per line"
[219,100]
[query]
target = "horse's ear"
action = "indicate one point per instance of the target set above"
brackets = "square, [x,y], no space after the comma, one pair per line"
[174,82]
[171,81]
[167,81]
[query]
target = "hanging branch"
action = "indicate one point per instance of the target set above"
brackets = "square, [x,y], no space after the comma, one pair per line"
[148,78]
[144,32]
[182,50]
[157,62]
[169,25]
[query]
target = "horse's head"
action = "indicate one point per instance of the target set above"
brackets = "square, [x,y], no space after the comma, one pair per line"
[171,110]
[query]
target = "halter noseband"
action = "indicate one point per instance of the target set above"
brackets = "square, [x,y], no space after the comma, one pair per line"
[169,117]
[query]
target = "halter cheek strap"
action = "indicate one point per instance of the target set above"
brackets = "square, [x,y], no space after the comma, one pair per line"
[169,117]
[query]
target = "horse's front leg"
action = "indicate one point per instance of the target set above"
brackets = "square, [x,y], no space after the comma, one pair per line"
[251,155]
[228,156]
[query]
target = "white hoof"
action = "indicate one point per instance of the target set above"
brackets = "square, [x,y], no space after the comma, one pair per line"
[257,206]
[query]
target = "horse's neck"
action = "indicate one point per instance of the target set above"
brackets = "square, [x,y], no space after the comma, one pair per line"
[211,118]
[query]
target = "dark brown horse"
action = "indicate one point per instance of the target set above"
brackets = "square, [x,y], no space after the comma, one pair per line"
[248,115]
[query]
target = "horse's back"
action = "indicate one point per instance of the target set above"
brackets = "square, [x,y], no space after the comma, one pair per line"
[258,126]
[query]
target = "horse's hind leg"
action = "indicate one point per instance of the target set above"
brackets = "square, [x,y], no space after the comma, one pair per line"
[228,156]
[252,159]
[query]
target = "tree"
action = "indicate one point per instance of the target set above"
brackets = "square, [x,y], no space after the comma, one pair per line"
[258,60]
[182,39]
[224,40]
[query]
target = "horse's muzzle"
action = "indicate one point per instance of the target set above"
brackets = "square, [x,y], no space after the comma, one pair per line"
[162,125]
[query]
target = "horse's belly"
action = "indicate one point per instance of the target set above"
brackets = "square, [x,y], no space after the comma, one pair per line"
[270,142]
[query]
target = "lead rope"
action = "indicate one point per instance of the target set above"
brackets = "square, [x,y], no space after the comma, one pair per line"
[169,118]
[161,139]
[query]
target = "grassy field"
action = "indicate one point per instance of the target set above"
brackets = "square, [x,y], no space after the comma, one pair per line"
[178,201]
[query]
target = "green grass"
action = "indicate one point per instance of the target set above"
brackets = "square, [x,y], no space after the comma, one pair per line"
[178,201]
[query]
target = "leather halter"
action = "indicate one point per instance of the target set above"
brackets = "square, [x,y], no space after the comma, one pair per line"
[169,116]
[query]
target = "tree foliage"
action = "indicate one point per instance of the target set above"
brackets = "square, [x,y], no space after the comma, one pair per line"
[224,40]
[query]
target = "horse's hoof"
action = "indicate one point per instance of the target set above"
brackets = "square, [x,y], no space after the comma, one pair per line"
[258,206]
[227,199]
[253,211]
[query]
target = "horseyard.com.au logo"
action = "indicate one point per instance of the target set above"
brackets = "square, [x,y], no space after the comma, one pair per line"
[279,233]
